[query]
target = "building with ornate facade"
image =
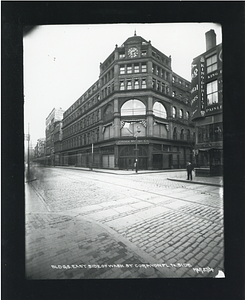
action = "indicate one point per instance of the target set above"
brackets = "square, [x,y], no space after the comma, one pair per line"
[206,103]
[138,110]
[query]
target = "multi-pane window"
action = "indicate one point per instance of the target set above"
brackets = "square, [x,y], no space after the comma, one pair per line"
[122,87]
[143,53]
[158,86]
[143,67]
[136,83]
[121,55]
[181,113]
[163,88]
[173,94]
[211,63]
[136,68]
[129,69]
[143,83]
[133,107]
[154,83]
[174,112]
[212,92]
[159,110]
[122,70]
[129,84]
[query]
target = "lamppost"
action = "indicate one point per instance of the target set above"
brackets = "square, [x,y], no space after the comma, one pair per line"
[92,151]
[136,148]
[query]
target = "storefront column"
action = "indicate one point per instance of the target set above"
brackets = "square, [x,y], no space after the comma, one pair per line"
[150,156]
[149,116]
[116,119]
[116,157]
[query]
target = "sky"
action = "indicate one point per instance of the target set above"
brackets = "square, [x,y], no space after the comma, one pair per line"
[62,61]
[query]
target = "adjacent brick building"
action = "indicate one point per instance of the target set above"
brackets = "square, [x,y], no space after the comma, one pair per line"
[207,110]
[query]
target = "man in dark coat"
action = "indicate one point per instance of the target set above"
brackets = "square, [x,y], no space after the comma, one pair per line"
[189,169]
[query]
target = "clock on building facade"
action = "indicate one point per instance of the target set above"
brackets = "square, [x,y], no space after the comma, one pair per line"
[133,52]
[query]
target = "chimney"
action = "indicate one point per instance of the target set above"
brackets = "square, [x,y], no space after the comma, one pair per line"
[210,39]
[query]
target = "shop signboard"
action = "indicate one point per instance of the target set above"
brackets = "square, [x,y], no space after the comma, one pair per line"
[198,87]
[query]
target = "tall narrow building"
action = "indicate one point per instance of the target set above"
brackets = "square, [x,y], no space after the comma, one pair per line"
[206,103]
[138,110]
[55,116]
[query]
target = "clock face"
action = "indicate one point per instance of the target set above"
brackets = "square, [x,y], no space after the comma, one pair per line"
[133,52]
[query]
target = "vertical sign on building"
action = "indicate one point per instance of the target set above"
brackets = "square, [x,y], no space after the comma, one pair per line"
[194,88]
[198,87]
[202,85]
[220,80]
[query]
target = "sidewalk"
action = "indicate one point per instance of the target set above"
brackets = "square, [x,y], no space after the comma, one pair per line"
[214,181]
[174,175]
[119,172]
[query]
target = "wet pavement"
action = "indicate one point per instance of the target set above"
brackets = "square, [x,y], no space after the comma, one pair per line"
[83,224]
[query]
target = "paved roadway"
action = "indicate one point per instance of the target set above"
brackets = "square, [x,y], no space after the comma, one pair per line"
[83,224]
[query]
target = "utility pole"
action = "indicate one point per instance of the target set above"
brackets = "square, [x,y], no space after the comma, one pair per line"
[92,162]
[136,149]
[28,154]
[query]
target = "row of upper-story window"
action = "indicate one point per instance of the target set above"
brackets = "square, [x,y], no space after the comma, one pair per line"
[107,90]
[81,140]
[180,96]
[133,68]
[156,70]
[180,81]
[180,113]
[135,107]
[84,97]
[132,83]
[81,124]
[108,76]
[182,135]
[79,112]
[130,108]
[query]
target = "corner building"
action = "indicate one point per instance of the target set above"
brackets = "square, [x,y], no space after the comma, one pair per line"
[139,109]
[207,110]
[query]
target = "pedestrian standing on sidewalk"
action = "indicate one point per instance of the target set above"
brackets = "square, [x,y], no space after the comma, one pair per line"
[189,169]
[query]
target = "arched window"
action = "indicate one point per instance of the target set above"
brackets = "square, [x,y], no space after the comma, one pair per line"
[181,113]
[133,108]
[174,112]
[159,110]
[182,134]
[187,114]
[188,135]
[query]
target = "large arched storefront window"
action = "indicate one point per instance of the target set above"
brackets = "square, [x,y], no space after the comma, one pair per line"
[159,110]
[133,107]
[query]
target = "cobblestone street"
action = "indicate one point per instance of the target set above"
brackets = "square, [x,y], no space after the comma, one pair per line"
[83,224]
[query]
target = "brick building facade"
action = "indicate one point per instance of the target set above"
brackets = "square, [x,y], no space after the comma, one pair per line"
[138,109]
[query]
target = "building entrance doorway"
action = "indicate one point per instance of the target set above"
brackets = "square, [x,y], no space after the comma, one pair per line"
[157,161]
[161,161]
